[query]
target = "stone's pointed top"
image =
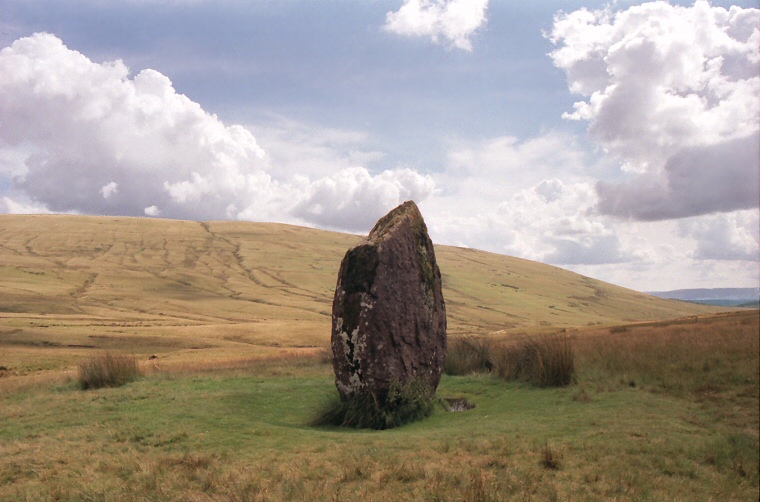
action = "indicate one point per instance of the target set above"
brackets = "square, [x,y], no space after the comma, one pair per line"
[386,223]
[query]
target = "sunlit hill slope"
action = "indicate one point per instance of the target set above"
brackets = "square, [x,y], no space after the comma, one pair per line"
[227,288]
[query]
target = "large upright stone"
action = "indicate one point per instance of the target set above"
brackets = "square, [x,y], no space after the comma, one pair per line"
[389,316]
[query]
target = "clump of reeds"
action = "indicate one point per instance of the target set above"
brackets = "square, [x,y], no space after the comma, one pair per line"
[401,405]
[545,362]
[107,370]
[467,355]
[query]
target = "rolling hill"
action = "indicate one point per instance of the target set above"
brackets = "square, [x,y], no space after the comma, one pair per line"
[225,289]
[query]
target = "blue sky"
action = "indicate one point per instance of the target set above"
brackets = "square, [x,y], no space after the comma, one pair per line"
[618,140]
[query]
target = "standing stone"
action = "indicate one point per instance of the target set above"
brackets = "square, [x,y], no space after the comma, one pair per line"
[389,316]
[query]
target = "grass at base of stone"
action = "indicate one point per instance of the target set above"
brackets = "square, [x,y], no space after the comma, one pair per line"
[403,404]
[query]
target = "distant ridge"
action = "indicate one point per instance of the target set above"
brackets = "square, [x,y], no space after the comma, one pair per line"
[708,294]
[723,297]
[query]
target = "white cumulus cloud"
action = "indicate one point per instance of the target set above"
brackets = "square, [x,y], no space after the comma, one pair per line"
[20,205]
[353,199]
[108,190]
[551,221]
[674,92]
[152,211]
[454,21]
[82,136]
[532,198]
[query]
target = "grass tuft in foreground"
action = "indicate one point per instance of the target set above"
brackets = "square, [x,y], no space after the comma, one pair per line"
[108,370]
[544,362]
[550,459]
[402,405]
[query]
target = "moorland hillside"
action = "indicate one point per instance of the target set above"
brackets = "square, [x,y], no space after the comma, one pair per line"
[81,282]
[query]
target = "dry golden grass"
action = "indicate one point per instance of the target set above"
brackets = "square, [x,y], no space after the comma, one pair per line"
[11,384]
[193,293]
[236,430]
[695,354]
[281,362]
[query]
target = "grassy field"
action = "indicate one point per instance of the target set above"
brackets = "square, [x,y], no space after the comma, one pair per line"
[665,405]
[663,411]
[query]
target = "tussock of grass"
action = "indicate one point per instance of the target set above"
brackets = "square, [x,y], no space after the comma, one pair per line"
[544,362]
[108,370]
[402,405]
[550,459]
[467,355]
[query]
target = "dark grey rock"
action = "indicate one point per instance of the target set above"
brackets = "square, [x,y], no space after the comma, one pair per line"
[389,316]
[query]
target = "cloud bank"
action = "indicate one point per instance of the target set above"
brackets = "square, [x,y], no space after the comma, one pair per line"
[506,195]
[674,92]
[81,136]
[452,21]
[724,236]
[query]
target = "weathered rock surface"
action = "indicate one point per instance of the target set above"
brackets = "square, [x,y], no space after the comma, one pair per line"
[389,315]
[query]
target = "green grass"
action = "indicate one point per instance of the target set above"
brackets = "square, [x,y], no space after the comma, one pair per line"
[243,437]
